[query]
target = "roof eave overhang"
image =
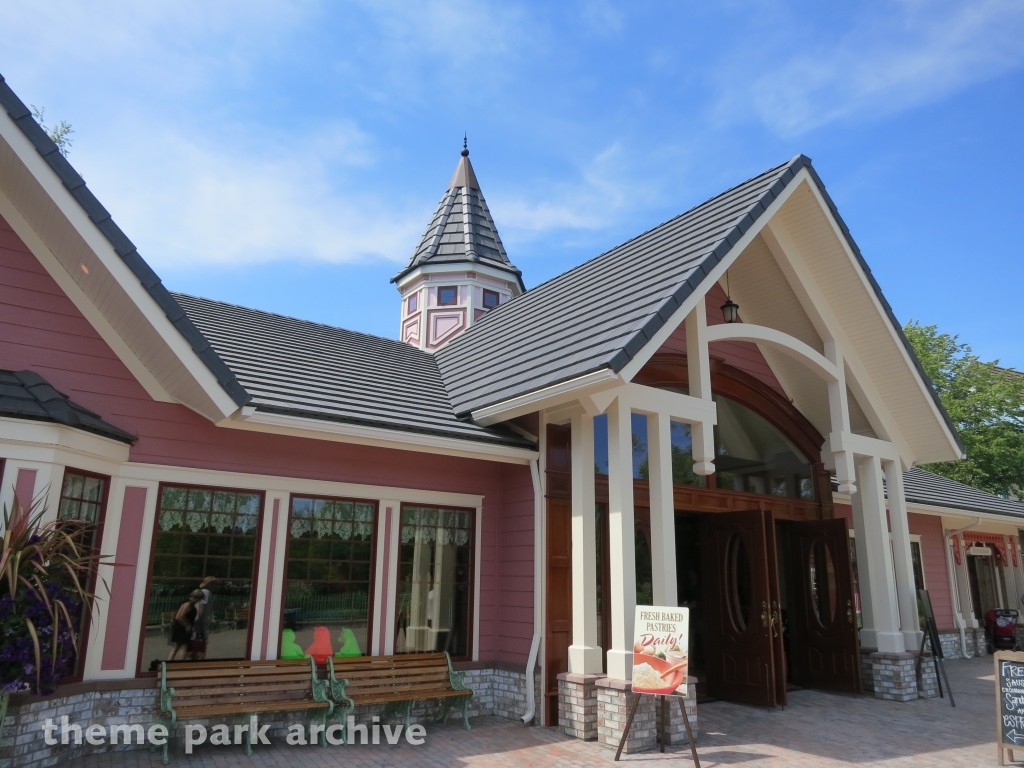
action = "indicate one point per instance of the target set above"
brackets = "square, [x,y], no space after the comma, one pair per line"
[490,270]
[251,419]
[413,271]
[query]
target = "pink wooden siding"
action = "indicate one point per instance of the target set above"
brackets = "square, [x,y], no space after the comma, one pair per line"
[25,487]
[41,330]
[739,354]
[933,559]
[516,582]
[936,572]
[122,583]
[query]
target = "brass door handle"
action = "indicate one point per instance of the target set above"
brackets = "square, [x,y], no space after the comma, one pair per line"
[849,611]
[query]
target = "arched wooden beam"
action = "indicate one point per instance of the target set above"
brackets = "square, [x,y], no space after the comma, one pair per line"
[667,370]
[783,342]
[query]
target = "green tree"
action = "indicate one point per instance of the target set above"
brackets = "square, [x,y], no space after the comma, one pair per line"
[60,133]
[985,403]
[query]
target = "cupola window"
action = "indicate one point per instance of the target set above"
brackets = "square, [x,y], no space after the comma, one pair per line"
[491,299]
[447,296]
[413,303]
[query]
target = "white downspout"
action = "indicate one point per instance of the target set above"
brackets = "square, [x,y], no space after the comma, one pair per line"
[954,589]
[538,573]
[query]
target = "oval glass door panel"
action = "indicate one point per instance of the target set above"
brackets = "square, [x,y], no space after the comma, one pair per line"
[822,578]
[739,587]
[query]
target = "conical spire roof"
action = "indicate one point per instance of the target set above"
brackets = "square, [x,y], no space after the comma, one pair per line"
[462,229]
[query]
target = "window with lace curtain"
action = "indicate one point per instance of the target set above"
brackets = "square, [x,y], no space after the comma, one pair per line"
[434,611]
[205,538]
[330,574]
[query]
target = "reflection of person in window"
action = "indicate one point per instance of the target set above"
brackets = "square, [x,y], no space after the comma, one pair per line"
[183,623]
[430,609]
[204,618]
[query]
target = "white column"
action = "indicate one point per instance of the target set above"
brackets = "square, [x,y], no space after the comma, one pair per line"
[585,651]
[621,541]
[839,417]
[874,564]
[663,509]
[903,562]
[963,585]
[698,364]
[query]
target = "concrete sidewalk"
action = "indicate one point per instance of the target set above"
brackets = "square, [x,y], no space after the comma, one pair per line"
[816,729]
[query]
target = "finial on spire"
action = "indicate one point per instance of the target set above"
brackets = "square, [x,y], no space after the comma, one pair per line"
[465,146]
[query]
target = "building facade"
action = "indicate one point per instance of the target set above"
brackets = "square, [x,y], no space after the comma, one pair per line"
[721,413]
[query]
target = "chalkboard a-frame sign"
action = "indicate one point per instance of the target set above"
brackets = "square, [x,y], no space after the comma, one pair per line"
[1009,702]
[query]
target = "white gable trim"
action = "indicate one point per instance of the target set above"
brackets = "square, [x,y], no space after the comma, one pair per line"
[102,255]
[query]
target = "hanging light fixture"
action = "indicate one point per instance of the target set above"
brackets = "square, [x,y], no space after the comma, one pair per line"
[730,310]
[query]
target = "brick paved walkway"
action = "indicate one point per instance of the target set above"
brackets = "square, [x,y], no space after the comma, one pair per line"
[817,729]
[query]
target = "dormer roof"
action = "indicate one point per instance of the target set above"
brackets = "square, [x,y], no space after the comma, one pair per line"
[462,230]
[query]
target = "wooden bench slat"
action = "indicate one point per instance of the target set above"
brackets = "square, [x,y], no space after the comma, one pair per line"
[270,706]
[406,697]
[240,700]
[239,679]
[262,671]
[238,690]
[395,675]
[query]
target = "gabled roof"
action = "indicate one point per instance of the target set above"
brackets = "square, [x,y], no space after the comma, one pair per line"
[601,314]
[462,229]
[125,249]
[925,487]
[27,395]
[305,369]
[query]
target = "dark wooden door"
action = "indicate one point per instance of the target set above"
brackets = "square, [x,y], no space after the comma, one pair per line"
[828,653]
[775,611]
[740,624]
[558,542]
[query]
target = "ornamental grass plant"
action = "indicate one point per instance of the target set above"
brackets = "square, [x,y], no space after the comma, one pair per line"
[46,571]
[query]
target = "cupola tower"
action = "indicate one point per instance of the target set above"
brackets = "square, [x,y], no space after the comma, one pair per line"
[459,272]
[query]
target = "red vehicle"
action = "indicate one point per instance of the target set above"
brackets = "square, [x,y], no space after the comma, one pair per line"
[1001,629]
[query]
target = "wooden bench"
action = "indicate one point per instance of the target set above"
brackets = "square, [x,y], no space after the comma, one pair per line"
[203,689]
[398,682]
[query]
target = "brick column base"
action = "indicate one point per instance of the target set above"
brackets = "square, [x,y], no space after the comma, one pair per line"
[928,680]
[614,698]
[577,705]
[674,730]
[893,676]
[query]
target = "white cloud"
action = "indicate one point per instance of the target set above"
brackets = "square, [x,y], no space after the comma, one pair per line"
[897,57]
[187,205]
[607,186]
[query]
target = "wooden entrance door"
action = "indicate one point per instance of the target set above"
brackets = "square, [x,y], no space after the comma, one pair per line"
[826,647]
[742,628]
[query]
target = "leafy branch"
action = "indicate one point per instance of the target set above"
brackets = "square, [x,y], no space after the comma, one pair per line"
[60,133]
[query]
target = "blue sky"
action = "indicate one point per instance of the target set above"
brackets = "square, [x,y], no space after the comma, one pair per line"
[288,155]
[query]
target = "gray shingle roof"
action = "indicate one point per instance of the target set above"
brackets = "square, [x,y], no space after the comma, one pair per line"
[925,487]
[600,314]
[75,184]
[462,229]
[27,395]
[300,368]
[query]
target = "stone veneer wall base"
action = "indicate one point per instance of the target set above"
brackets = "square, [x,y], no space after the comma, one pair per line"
[497,691]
